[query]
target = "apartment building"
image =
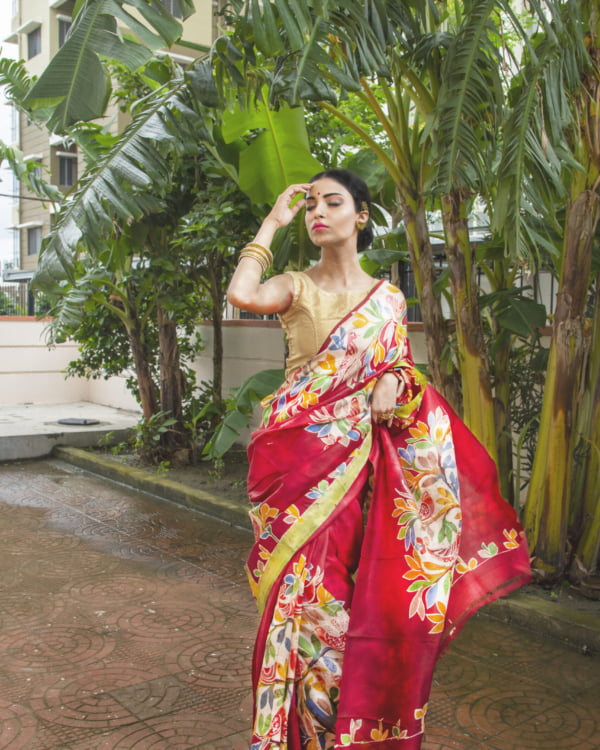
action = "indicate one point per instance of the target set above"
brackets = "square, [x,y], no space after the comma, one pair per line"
[39,28]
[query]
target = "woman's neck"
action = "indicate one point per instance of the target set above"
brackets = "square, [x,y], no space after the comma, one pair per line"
[339,271]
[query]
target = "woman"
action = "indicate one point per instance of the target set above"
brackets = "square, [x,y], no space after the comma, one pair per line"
[378,522]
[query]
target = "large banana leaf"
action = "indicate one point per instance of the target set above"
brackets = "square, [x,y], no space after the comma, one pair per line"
[75,82]
[170,124]
[125,184]
[279,156]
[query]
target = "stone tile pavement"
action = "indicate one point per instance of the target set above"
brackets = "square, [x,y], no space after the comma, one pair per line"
[126,624]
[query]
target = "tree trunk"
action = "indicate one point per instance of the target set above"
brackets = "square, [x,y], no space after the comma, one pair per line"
[435,327]
[478,402]
[217,295]
[502,416]
[171,380]
[549,497]
[146,385]
[588,547]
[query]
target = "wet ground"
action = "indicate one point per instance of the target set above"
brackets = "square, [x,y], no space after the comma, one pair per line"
[126,624]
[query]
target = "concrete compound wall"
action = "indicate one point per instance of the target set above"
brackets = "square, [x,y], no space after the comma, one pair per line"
[31,373]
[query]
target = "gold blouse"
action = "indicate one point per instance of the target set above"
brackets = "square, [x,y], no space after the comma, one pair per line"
[312,316]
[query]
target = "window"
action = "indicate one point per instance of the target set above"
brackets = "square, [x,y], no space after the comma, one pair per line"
[63,31]
[67,170]
[34,240]
[34,42]
[173,7]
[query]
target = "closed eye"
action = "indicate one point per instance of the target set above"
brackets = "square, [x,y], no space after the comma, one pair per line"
[331,205]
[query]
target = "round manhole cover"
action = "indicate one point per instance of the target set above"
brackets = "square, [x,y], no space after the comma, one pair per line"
[78,421]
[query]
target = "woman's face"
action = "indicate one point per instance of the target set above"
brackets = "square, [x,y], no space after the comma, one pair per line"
[330,213]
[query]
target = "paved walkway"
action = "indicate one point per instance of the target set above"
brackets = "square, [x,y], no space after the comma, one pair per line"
[126,624]
[32,430]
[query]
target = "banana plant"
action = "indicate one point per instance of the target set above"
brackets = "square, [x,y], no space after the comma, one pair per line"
[76,84]
[562,80]
[427,75]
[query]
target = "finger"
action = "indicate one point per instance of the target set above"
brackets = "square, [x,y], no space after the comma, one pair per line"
[299,188]
[297,206]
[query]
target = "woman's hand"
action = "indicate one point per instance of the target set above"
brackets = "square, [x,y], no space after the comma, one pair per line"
[385,395]
[283,212]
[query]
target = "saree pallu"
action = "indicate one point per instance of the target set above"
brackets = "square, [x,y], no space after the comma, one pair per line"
[354,614]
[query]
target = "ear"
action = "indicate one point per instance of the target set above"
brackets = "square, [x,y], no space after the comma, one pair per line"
[362,218]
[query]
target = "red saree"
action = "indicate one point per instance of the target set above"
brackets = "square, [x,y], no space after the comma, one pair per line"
[354,615]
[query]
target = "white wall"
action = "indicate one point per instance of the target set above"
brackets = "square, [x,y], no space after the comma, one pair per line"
[31,373]
[248,347]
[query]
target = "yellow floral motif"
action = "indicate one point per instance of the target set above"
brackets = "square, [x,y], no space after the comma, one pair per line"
[420,430]
[512,539]
[309,398]
[379,734]
[420,713]
[264,512]
[359,735]
[328,364]
[463,567]
[292,514]
[379,354]
[359,320]
[438,621]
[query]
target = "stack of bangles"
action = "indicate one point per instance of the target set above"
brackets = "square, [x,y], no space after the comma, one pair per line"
[260,254]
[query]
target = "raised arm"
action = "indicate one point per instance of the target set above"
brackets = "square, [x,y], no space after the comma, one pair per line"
[274,295]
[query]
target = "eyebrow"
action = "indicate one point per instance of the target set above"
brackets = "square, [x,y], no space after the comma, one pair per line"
[327,195]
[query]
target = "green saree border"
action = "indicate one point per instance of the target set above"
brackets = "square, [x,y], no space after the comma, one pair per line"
[302,529]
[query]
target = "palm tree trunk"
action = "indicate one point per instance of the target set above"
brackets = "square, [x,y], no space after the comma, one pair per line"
[473,365]
[549,497]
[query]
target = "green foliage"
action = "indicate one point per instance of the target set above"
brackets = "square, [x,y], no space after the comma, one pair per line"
[514,312]
[27,171]
[202,412]
[164,467]
[8,306]
[76,84]
[240,408]
[149,434]
[528,364]
[265,168]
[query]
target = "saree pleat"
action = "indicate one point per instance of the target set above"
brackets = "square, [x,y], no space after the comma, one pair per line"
[373,545]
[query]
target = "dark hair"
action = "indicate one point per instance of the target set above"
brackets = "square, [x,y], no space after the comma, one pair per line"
[359,191]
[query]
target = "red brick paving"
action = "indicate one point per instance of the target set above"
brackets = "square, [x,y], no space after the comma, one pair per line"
[126,624]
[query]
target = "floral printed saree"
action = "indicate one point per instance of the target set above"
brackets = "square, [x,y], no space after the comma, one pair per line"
[372,544]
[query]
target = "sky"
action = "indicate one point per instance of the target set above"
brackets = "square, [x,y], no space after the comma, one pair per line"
[6,184]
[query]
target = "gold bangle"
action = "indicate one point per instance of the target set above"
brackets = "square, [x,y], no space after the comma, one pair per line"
[264,251]
[260,254]
[261,263]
